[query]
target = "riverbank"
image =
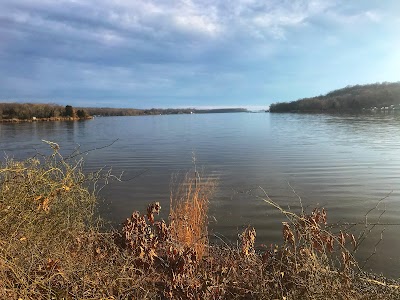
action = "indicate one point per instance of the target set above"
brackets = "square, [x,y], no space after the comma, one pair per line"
[52,119]
[53,245]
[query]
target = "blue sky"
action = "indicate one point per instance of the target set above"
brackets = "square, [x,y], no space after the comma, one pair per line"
[208,53]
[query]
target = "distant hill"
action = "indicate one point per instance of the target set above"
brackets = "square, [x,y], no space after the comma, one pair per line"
[371,97]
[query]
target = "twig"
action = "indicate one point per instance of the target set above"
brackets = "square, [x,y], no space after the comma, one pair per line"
[301,203]
[374,252]
[367,231]
[90,150]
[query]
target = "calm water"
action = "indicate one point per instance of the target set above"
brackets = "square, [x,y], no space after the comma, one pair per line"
[344,163]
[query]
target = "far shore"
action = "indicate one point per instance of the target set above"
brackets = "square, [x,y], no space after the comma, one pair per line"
[15,120]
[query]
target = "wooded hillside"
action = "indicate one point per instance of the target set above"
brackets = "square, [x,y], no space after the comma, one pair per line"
[373,97]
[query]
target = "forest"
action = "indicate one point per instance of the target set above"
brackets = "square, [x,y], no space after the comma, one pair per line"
[26,111]
[357,98]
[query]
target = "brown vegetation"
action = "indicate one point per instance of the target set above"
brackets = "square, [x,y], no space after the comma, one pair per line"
[53,247]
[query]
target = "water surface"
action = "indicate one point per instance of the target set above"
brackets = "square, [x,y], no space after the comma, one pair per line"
[343,163]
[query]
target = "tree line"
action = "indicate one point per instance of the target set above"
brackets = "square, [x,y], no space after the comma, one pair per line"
[111,111]
[27,111]
[355,98]
[107,111]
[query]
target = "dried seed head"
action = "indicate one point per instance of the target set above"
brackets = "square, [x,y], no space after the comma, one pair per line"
[153,208]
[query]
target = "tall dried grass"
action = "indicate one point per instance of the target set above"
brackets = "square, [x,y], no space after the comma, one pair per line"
[188,213]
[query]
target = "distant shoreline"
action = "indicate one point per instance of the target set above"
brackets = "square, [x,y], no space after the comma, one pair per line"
[52,119]
[32,112]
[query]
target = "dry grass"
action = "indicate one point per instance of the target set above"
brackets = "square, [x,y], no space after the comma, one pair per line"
[188,213]
[53,247]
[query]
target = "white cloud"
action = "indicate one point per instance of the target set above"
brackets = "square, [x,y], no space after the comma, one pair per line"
[209,18]
[373,16]
[354,17]
[196,18]
[196,24]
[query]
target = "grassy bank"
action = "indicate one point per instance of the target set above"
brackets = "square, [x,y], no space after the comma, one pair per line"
[52,246]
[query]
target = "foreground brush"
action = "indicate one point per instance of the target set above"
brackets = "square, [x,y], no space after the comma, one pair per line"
[52,246]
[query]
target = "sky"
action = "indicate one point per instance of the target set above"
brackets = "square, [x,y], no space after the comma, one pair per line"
[193,53]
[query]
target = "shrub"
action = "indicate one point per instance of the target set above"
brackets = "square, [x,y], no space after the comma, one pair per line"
[81,114]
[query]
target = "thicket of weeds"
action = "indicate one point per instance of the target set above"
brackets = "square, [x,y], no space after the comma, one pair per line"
[52,246]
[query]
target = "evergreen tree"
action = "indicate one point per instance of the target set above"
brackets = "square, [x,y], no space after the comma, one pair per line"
[69,111]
